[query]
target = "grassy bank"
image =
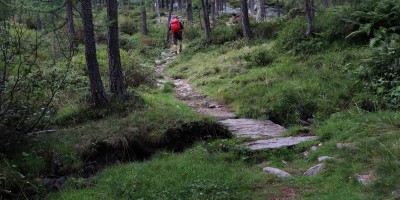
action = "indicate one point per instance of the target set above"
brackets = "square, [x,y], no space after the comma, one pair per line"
[224,170]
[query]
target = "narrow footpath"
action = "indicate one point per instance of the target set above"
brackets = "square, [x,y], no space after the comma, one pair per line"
[265,133]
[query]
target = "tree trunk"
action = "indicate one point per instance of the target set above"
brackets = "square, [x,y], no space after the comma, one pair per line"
[70,17]
[310,17]
[121,4]
[245,20]
[158,13]
[189,11]
[201,23]
[117,87]
[325,3]
[70,23]
[278,7]
[39,24]
[260,11]
[207,27]
[180,5]
[168,34]
[98,96]
[144,19]
[216,7]
[213,15]
[251,6]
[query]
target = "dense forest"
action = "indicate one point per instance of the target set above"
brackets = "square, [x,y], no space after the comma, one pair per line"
[94,102]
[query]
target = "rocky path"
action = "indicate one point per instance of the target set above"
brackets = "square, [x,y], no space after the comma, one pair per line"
[265,133]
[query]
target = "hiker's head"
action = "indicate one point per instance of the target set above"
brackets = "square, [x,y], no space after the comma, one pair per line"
[174,16]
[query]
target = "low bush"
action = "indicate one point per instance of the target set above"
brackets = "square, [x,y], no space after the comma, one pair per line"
[381,72]
[223,34]
[267,29]
[127,25]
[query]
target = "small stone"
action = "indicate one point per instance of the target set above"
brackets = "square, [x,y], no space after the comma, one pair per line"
[158,62]
[314,170]
[344,145]
[279,142]
[364,179]
[277,172]
[302,122]
[253,128]
[163,54]
[212,106]
[305,154]
[322,158]
[313,148]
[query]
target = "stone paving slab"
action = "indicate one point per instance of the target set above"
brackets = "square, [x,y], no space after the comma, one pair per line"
[275,143]
[253,128]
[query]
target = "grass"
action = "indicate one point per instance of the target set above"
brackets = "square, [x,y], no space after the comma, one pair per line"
[224,170]
[195,174]
[33,159]
[259,82]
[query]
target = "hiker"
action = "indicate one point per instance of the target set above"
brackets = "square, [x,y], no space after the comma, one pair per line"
[176,28]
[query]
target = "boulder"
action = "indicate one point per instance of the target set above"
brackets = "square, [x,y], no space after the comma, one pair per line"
[277,172]
[364,179]
[275,143]
[344,145]
[253,128]
[322,158]
[314,170]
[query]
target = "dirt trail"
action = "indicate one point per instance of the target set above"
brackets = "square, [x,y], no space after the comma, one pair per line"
[201,103]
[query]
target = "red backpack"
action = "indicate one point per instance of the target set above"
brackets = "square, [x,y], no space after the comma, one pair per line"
[175,26]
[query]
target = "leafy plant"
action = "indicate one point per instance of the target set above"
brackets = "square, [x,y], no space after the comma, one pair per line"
[376,19]
[383,70]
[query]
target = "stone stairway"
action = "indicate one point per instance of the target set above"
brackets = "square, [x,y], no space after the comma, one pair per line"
[265,133]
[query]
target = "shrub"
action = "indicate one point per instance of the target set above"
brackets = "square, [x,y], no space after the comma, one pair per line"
[267,29]
[292,33]
[375,19]
[192,32]
[135,73]
[127,42]
[222,34]
[383,70]
[79,33]
[260,57]
[127,26]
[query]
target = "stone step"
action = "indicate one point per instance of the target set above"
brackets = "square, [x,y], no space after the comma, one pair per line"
[275,143]
[253,128]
